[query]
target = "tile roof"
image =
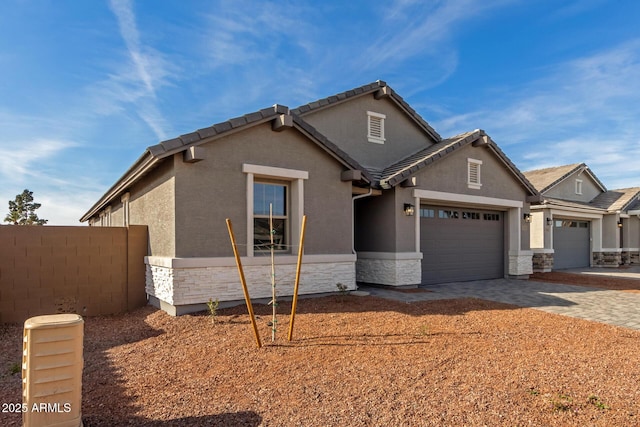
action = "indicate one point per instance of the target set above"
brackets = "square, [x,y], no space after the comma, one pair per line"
[171,146]
[635,206]
[164,149]
[398,172]
[572,204]
[617,200]
[544,179]
[547,178]
[363,90]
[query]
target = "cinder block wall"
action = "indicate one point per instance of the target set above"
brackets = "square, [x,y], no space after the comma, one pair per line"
[90,271]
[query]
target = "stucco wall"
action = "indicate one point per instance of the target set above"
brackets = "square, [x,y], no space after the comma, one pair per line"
[382,225]
[566,190]
[610,232]
[631,232]
[346,125]
[215,188]
[450,175]
[152,204]
[375,225]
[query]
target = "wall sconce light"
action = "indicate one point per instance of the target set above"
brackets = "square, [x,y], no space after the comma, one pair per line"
[620,224]
[549,221]
[409,209]
[526,217]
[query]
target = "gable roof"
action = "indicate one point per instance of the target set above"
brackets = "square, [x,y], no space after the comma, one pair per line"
[381,90]
[618,200]
[155,153]
[398,172]
[547,178]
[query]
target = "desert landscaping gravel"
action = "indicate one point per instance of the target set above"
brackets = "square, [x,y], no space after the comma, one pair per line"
[353,361]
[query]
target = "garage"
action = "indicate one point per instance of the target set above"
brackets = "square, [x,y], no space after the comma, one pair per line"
[571,244]
[461,244]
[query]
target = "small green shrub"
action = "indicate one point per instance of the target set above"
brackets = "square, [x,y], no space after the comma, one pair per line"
[213,309]
[595,401]
[562,403]
[343,290]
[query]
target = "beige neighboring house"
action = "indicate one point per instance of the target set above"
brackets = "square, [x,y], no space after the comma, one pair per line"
[388,200]
[580,223]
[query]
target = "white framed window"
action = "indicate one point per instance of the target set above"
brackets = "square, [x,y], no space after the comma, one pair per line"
[270,198]
[474,173]
[578,186]
[284,188]
[375,127]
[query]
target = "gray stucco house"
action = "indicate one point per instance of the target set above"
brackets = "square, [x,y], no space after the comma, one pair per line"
[388,200]
[580,223]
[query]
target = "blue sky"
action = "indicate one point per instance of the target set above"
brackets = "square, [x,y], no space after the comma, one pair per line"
[85,87]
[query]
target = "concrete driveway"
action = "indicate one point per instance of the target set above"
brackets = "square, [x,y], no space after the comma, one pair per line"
[598,305]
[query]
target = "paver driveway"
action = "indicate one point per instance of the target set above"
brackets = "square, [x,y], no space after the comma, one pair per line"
[599,305]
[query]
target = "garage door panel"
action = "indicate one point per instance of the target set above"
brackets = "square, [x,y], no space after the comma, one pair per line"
[461,244]
[571,244]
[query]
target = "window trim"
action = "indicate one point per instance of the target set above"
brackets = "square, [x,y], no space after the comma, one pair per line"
[287,212]
[474,164]
[296,198]
[579,187]
[377,138]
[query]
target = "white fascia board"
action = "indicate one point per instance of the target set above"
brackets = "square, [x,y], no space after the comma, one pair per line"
[439,196]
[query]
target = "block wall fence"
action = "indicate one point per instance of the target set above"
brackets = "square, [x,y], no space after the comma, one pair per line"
[90,271]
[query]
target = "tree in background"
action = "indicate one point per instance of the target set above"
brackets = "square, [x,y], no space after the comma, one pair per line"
[22,211]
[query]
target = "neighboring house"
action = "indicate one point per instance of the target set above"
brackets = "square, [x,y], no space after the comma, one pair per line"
[621,228]
[579,223]
[388,202]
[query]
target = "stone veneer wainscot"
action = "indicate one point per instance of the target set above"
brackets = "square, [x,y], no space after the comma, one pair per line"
[183,285]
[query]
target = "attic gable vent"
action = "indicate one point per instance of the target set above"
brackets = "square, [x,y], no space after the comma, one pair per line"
[473,173]
[375,127]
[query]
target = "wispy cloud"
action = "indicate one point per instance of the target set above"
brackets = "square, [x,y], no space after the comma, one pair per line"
[136,82]
[22,158]
[581,110]
[129,31]
[410,32]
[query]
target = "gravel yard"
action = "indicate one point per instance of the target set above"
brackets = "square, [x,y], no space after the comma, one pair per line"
[356,361]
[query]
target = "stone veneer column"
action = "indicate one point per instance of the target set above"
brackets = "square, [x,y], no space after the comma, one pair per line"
[607,259]
[542,260]
[520,263]
[389,268]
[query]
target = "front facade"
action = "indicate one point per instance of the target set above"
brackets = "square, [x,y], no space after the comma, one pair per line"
[579,223]
[388,202]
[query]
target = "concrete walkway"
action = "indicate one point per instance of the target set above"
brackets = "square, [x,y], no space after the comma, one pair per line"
[598,305]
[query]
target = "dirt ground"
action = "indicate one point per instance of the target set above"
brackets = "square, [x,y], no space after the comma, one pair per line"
[597,281]
[353,361]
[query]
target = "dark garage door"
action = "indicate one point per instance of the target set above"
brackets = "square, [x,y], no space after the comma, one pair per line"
[571,244]
[461,244]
